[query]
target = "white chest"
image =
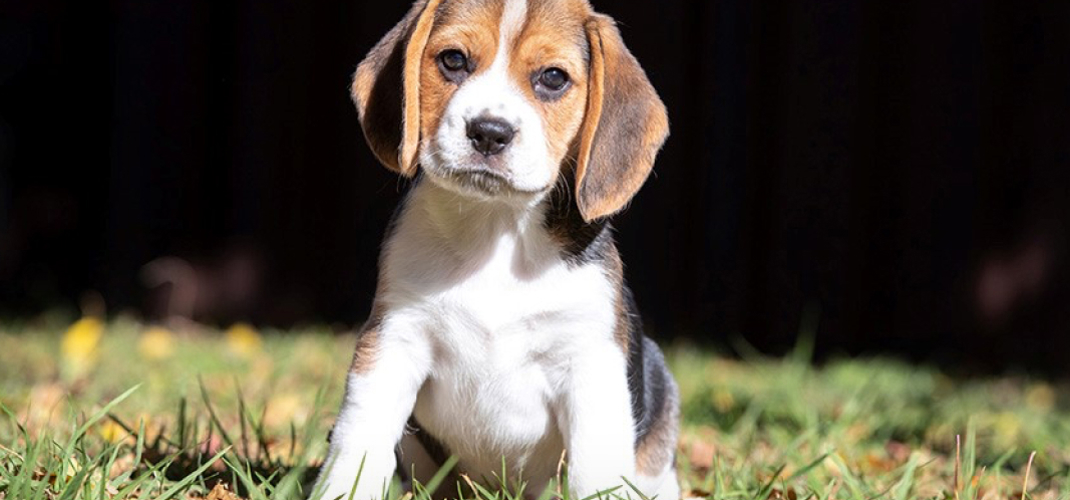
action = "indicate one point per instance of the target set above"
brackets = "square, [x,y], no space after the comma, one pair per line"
[503,321]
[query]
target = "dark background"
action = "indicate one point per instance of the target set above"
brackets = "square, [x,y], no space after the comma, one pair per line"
[896,174]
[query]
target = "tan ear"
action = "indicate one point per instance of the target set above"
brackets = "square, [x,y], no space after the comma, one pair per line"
[623,128]
[386,89]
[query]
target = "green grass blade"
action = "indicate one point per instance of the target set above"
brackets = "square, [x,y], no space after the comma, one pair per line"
[71,489]
[212,415]
[764,491]
[186,481]
[252,486]
[440,476]
[902,489]
[808,467]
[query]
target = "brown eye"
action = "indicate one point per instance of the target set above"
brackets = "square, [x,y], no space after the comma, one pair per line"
[550,83]
[554,79]
[453,64]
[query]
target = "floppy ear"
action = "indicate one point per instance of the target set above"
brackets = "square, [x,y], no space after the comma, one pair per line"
[624,126]
[386,89]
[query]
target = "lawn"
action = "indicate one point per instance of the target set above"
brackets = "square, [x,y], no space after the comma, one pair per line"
[124,410]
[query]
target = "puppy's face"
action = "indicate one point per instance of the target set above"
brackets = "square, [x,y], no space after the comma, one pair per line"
[503,91]
[491,98]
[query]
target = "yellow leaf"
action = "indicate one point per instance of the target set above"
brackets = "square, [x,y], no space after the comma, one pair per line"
[156,343]
[243,340]
[78,349]
[111,431]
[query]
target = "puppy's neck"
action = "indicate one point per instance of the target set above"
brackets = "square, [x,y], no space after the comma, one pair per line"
[454,215]
[469,227]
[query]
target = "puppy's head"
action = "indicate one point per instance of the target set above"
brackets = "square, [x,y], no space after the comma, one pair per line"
[491,98]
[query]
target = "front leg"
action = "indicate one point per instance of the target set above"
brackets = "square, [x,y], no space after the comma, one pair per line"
[389,366]
[596,422]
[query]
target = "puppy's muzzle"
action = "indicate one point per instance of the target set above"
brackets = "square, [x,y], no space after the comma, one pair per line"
[490,136]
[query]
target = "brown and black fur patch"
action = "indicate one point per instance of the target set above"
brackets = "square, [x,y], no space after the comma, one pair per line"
[655,407]
[654,396]
[624,127]
[581,242]
[384,91]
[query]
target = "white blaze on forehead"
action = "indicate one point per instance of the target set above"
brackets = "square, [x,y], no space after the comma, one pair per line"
[492,93]
[514,14]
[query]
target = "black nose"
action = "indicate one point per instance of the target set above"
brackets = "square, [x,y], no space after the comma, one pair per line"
[490,136]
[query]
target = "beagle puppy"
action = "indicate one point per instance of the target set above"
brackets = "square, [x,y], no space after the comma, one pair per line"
[502,330]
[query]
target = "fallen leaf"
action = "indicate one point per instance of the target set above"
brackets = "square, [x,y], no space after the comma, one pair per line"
[696,493]
[898,451]
[156,343]
[220,492]
[78,350]
[243,340]
[875,462]
[701,454]
[111,431]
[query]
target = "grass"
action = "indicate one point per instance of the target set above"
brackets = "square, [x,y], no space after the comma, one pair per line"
[120,410]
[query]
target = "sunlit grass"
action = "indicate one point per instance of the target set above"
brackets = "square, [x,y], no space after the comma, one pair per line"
[124,410]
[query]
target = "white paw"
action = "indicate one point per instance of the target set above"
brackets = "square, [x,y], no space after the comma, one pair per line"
[358,479]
